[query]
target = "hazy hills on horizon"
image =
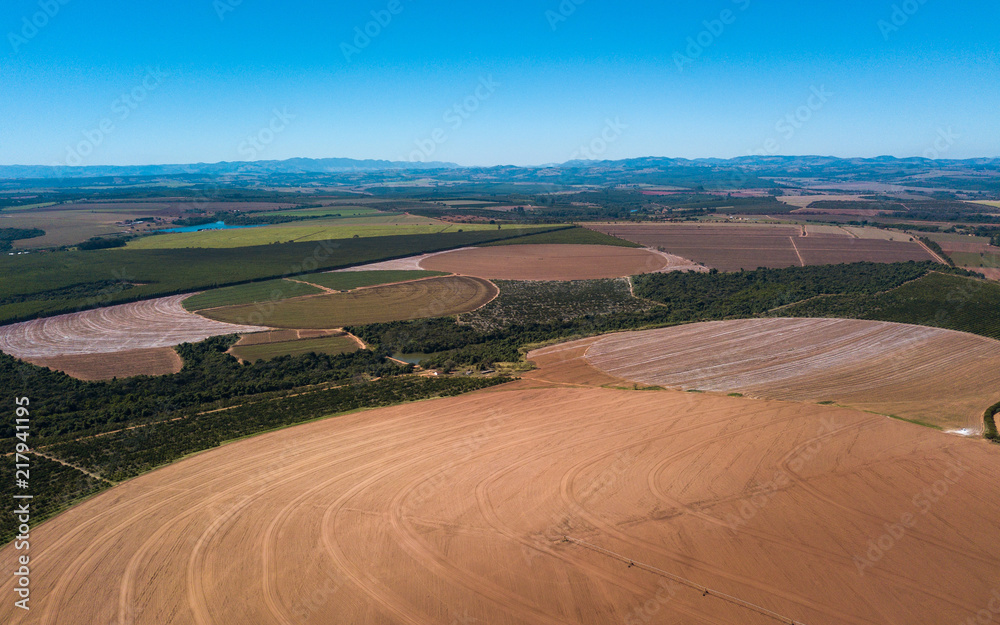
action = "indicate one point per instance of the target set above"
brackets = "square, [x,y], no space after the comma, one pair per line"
[342,165]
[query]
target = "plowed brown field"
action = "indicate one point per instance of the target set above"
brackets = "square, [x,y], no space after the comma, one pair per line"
[455,510]
[159,322]
[550,262]
[155,361]
[732,247]
[937,376]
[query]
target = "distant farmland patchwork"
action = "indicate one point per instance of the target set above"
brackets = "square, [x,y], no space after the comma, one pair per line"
[735,247]
[302,231]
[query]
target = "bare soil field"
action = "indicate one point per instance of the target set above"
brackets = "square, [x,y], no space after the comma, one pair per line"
[824,250]
[91,367]
[736,247]
[548,262]
[681,508]
[159,322]
[802,201]
[876,233]
[992,273]
[940,377]
[418,299]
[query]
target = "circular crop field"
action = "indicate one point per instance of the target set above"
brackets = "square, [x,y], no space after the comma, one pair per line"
[942,377]
[152,323]
[458,510]
[548,262]
[418,299]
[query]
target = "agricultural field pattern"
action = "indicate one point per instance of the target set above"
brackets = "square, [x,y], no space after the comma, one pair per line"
[603,392]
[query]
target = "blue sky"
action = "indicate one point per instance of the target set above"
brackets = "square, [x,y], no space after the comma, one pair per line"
[534,81]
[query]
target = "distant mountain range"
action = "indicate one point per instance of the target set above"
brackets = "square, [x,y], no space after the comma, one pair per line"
[773,165]
[290,166]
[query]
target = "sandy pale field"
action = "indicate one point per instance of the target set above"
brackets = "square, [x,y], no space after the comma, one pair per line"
[152,323]
[938,376]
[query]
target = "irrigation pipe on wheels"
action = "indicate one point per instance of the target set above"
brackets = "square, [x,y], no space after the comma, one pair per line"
[680,580]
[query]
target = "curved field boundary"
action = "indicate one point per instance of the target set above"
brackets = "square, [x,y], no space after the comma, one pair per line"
[417,299]
[410,263]
[140,325]
[455,510]
[548,262]
[939,377]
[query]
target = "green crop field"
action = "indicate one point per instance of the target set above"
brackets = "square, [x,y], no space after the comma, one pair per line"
[436,297]
[281,289]
[59,282]
[27,207]
[255,292]
[938,300]
[332,345]
[972,259]
[295,233]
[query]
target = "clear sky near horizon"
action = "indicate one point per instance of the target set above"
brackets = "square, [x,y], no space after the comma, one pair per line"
[93,82]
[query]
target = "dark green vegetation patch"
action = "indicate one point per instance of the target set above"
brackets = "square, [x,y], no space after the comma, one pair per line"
[9,235]
[990,422]
[939,300]
[540,302]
